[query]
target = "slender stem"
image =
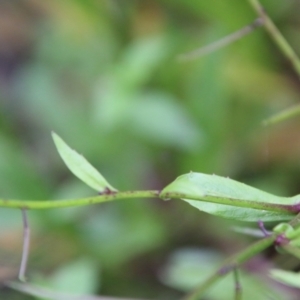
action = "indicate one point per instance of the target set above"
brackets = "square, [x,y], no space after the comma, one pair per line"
[229,39]
[26,241]
[277,36]
[262,228]
[231,264]
[283,115]
[238,287]
[275,207]
[239,258]
[46,204]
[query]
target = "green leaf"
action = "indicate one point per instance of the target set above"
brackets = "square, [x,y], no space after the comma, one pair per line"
[289,231]
[80,167]
[296,244]
[228,198]
[172,126]
[284,228]
[79,277]
[286,277]
[187,268]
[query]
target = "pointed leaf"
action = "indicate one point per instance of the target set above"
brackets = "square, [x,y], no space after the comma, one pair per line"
[80,167]
[228,198]
[286,277]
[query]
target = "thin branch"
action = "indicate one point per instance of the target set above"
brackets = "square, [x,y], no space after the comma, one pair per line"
[275,34]
[223,42]
[26,242]
[231,264]
[46,204]
[283,115]
[248,231]
[262,228]
[238,287]
[288,210]
[284,207]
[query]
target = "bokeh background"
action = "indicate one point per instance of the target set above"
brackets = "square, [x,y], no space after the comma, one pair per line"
[104,75]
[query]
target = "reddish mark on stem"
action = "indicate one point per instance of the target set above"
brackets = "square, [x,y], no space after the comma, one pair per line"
[263,229]
[295,208]
[107,191]
[226,269]
[281,240]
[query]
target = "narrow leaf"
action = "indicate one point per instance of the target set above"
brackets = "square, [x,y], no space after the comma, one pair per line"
[230,199]
[286,277]
[80,167]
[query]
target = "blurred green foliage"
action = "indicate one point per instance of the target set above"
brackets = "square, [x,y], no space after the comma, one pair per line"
[104,76]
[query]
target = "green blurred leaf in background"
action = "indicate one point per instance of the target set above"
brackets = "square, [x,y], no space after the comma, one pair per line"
[104,75]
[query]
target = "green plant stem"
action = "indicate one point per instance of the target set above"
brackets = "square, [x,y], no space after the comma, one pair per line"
[238,288]
[278,38]
[227,40]
[230,264]
[46,204]
[283,115]
[26,242]
[275,207]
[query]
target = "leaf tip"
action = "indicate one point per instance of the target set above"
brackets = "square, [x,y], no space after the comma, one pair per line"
[80,167]
[56,138]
